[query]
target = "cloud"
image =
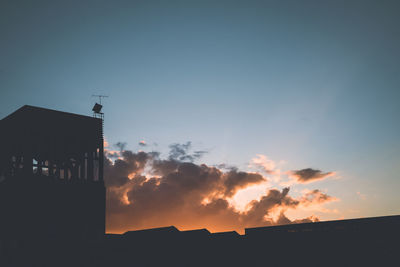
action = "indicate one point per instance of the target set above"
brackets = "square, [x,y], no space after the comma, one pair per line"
[142,143]
[117,172]
[113,154]
[106,144]
[224,166]
[145,191]
[121,146]
[235,180]
[265,163]
[316,197]
[181,152]
[309,175]
[269,166]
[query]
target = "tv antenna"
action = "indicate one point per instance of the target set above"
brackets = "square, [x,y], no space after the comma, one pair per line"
[100,97]
[98,106]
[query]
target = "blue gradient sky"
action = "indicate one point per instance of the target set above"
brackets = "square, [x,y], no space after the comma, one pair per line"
[313,83]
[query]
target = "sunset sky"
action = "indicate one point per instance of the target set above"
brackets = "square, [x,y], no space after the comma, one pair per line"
[304,94]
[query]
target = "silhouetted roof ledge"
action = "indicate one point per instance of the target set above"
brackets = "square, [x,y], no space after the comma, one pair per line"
[47,129]
[203,230]
[228,233]
[196,233]
[380,219]
[29,108]
[168,229]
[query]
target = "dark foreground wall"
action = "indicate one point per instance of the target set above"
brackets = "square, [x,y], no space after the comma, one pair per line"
[44,208]
[363,242]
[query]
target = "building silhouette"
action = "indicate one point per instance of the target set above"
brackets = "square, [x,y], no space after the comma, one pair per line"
[51,167]
[52,213]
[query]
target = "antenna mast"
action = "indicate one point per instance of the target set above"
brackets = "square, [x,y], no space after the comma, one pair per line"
[98,114]
[98,106]
[100,97]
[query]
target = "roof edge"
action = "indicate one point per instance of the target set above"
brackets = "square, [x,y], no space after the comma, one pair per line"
[29,107]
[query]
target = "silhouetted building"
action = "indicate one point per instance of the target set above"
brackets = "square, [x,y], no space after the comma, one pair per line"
[51,176]
[355,242]
[52,211]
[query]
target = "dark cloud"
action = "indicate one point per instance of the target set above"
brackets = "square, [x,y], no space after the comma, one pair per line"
[117,173]
[121,146]
[180,152]
[146,191]
[224,166]
[235,180]
[309,175]
[274,198]
[112,154]
[316,196]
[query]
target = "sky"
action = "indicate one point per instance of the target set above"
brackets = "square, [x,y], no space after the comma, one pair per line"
[301,85]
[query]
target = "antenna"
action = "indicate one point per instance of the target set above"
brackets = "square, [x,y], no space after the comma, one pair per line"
[98,114]
[100,97]
[98,106]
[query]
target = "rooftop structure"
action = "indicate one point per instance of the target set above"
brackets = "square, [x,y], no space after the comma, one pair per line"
[51,174]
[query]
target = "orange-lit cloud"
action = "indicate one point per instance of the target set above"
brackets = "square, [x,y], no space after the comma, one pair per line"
[110,153]
[106,144]
[265,163]
[268,166]
[142,143]
[145,191]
